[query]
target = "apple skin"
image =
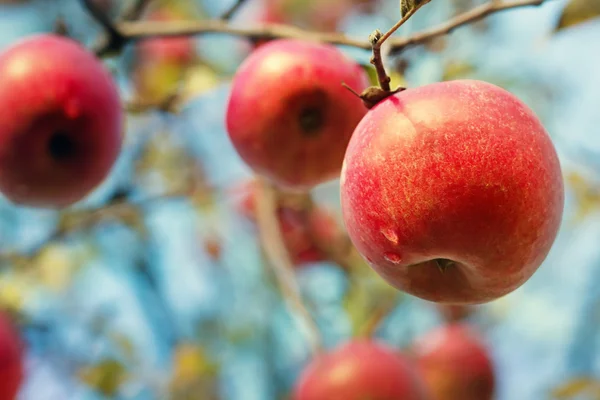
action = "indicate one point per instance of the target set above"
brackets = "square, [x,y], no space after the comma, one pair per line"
[358,370]
[11,356]
[458,170]
[61,122]
[289,117]
[455,364]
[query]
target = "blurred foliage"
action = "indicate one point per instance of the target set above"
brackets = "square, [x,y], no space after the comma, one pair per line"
[577,12]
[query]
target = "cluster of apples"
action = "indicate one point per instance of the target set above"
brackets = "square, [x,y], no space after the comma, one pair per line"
[448,363]
[451,191]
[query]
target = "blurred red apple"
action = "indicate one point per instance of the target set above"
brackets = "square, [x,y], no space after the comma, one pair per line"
[179,49]
[360,370]
[455,364]
[302,231]
[61,119]
[11,354]
[289,117]
[452,191]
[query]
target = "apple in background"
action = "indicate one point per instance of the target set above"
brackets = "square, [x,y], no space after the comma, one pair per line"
[301,231]
[455,364]
[179,50]
[452,191]
[289,117]
[161,63]
[11,355]
[359,370]
[62,122]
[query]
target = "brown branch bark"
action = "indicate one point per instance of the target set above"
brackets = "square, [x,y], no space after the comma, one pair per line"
[227,15]
[134,31]
[272,242]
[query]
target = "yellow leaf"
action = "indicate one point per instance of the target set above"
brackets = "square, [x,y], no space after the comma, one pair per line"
[576,387]
[457,70]
[55,267]
[13,291]
[106,377]
[578,11]
[586,195]
[190,363]
[397,79]
[198,80]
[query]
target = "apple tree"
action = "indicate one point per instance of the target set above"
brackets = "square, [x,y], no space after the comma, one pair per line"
[298,199]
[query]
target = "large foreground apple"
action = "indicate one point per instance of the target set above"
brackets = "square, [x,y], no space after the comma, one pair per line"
[60,122]
[288,115]
[455,364]
[360,370]
[452,191]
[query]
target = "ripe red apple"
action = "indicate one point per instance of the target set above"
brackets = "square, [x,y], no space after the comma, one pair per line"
[358,370]
[455,364]
[11,355]
[452,191]
[61,122]
[288,115]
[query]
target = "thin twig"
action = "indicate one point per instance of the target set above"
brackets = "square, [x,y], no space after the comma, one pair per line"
[227,15]
[377,39]
[147,29]
[135,11]
[115,38]
[466,18]
[274,247]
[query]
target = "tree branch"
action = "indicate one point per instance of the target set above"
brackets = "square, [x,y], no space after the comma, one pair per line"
[135,11]
[114,40]
[134,31]
[377,39]
[274,247]
[227,15]
[468,17]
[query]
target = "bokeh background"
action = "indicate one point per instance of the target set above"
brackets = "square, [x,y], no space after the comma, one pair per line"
[155,286]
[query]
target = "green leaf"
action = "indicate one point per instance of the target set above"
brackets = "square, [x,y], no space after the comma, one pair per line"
[577,12]
[106,377]
[408,5]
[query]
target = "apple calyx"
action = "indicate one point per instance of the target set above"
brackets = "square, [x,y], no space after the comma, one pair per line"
[443,264]
[373,94]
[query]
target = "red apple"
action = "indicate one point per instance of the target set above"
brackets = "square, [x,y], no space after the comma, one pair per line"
[288,115]
[61,122]
[11,355]
[452,191]
[359,370]
[455,364]
[180,50]
[301,231]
